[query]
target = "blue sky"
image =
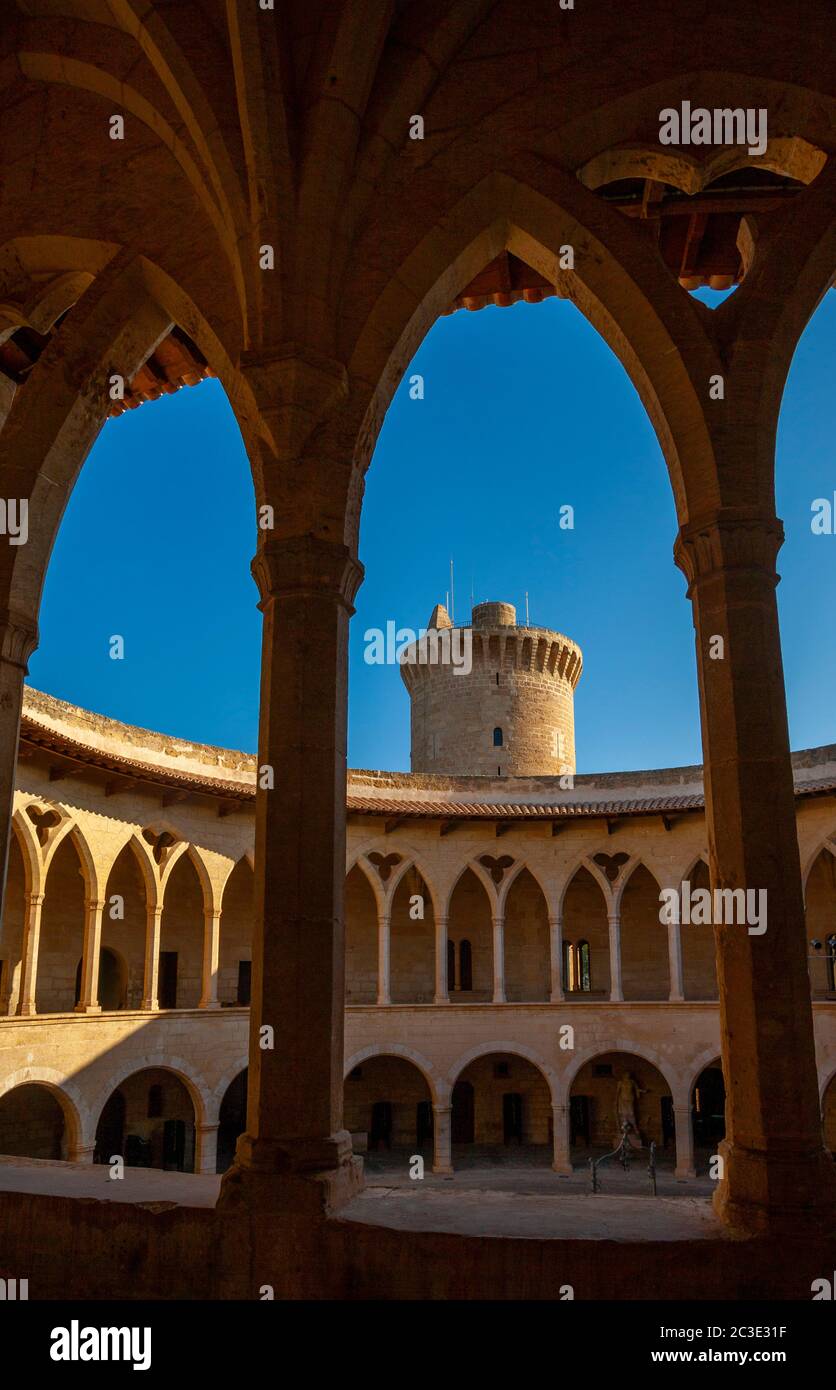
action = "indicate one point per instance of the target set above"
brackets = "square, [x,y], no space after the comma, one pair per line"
[525,409]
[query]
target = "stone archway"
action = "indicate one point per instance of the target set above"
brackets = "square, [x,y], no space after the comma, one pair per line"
[236,949]
[820,901]
[361,946]
[33,1122]
[156,1117]
[586,939]
[708,1113]
[388,1109]
[594,1126]
[526,936]
[644,940]
[232,1119]
[112,988]
[501,1108]
[62,930]
[470,920]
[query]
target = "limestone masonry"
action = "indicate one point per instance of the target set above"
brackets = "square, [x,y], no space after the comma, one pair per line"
[511,714]
[481,912]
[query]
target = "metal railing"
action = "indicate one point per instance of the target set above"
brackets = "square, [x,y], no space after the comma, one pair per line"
[623,1154]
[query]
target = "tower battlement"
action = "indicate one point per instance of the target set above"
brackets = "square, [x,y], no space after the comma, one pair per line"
[509,712]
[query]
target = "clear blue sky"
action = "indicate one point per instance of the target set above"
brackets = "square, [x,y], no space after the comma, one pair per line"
[525,409]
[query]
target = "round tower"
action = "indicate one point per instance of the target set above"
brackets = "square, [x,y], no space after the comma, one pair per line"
[493,699]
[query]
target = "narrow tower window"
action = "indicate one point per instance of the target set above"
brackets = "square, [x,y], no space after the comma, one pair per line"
[497,737]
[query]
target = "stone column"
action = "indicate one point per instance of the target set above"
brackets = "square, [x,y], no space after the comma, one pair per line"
[684,1139]
[88,1000]
[442,1140]
[296,1154]
[211,956]
[556,958]
[561,1140]
[441,994]
[778,1176]
[614,921]
[31,944]
[18,640]
[153,922]
[499,959]
[384,984]
[206,1148]
[677,990]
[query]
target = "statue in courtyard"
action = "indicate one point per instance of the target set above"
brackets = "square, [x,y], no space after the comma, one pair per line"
[626,1106]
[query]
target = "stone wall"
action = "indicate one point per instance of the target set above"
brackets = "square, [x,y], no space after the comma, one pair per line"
[521,684]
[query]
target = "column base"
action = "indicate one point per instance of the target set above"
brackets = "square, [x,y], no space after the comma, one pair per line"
[150,1006]
[557,997]
[305,1178]
[781,1193]
[443,1170]
[88,1009]
[83,1153]
[564,1167]
[441,999]
[682,1174]
[209,1004]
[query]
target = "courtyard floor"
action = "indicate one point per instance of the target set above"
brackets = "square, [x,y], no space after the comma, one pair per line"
[521,1172]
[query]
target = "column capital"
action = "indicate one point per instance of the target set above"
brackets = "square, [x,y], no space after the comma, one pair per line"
[307,566]
[35,899]
[734,538]
[18,638]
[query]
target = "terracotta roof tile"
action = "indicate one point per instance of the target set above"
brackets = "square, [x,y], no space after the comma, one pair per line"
[39,736]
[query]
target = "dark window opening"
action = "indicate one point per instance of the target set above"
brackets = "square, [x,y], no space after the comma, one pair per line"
[168,980]
[497,737]
[501,1069]
[245,971]
[451,965]
[155,1102]
[602,1069]
[512,1118]
[465,966]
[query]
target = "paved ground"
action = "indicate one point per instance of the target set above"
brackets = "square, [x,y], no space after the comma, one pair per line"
[528,1172]
[573,1216]
[483,1180]
[149,1185]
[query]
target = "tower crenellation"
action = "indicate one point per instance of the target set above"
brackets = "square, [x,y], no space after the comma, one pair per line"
[505,711]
